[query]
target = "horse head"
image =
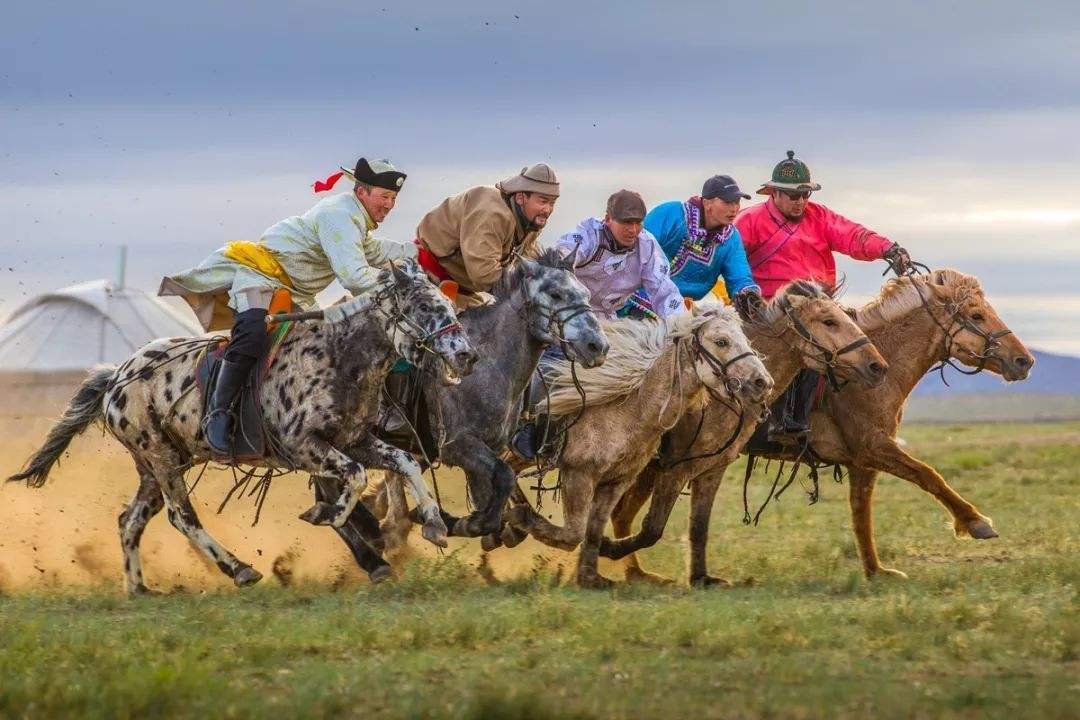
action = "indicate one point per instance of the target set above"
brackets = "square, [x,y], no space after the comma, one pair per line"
[975,335]
[826,336]
[557,304]
[723,359]
[422,323]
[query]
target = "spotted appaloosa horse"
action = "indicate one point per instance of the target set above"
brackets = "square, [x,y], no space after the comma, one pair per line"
[319,400]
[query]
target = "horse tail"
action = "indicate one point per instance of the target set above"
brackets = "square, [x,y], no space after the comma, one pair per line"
[85,407]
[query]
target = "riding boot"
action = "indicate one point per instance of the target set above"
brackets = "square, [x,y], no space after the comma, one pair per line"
[526,441]
[217,424]
[790,415]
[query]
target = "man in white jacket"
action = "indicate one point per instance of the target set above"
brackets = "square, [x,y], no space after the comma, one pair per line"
[303,254]
[615,256]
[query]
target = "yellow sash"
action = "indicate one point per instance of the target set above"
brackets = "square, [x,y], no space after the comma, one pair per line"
[257,257]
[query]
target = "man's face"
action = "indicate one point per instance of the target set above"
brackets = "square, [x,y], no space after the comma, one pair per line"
[719,212]
[625,232]
[791,203]
[536,207]
[377,201]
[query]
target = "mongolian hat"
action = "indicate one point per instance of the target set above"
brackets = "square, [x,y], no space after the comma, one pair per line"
[538,178]
[790,174]
[377,173]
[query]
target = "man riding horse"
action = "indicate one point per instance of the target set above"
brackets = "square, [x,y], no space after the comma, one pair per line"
[787,238]
[703,246]
[302,254]
[471,237]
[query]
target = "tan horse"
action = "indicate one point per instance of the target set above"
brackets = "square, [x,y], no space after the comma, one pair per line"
[654,374]
[801,328]
[916,322]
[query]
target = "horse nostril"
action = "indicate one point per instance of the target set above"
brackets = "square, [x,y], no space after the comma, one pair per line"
[876,369]
[1023,362]
[759,383]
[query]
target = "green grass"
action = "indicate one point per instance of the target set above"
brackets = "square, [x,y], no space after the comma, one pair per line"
[982,629]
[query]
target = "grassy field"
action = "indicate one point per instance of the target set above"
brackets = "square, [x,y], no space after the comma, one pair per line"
[982,629]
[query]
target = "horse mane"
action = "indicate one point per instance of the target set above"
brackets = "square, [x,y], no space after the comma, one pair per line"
[773,312]
[901,295]
[512,274]
[636,346]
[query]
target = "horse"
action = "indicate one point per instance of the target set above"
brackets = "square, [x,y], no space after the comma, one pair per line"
[801,327]
[538,303]
[319,401]
[916,322]
[656,375]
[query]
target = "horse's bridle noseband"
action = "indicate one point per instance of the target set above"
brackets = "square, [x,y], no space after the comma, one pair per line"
[421,338]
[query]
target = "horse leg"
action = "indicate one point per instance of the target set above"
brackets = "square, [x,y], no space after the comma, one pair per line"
[377,454]
[604,499]
[396,525]
[888,457]
[183,517]
[665,492]
[861,498]
[359,532]
[490,482]
[577,494]
[337,464]
[702,494]
[145,504]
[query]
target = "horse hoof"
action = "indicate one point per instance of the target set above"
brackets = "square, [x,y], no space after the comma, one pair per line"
[247,576]
[380,574]
[595,581]
[490,542]
[141,590]
[885,573]
[982,530]
[435,534]
[512,537]
[320,514]
[707,581]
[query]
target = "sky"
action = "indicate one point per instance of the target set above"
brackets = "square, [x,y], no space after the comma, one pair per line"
[950,128]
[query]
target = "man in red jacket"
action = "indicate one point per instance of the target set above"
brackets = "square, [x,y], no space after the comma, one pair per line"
[787,238]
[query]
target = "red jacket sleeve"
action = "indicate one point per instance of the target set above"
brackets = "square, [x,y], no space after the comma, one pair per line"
[852,239]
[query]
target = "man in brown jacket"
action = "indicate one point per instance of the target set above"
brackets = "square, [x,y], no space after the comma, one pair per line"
[469,238]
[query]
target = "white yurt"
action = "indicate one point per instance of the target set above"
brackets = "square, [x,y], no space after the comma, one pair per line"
[49,343]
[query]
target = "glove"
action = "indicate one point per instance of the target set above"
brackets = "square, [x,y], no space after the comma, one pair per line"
[749,304]
[899,260]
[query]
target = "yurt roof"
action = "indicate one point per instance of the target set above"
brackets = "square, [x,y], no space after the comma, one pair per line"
[85,324]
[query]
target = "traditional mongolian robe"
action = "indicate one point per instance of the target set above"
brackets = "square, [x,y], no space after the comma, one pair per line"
[612,273]
[471,237]
[304,253]
[782,250]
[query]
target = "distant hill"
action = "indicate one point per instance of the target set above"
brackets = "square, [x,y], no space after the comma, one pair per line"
[1052,375]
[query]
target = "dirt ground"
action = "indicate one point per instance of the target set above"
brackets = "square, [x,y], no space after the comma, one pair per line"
[65,534]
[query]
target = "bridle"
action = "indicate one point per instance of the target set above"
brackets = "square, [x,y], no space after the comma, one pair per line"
[829,358]
[958,323]
[421,338]
[719,367]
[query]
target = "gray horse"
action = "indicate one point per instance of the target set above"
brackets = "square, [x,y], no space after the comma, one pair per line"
[539,303]
[319,399]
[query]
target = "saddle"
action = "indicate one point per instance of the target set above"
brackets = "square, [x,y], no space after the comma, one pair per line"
[249,440]
[790,402]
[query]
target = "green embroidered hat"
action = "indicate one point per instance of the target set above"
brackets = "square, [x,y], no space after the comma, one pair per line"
[790,174]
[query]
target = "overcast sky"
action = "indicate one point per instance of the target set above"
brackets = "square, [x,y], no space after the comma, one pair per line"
[951,128]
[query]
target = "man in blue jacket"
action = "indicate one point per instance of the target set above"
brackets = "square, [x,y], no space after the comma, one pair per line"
[703,245]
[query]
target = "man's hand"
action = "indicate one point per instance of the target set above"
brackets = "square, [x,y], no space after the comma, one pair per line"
[899,260]
[749,304]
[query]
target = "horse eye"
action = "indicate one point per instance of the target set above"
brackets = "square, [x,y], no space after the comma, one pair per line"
[722,342]
[829,322]
[556,296]
[977,317]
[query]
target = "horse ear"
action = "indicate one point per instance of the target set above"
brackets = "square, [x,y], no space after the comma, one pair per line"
[530,267]
[449,288]
[401,277]
[688,303]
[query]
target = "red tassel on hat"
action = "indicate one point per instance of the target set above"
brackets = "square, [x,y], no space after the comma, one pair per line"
[328,183]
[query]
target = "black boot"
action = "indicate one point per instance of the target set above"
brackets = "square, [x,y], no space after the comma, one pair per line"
[526,441]
[217,424]
[789,420]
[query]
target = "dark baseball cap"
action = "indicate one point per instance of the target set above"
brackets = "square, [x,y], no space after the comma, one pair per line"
[723,187]
[626,205]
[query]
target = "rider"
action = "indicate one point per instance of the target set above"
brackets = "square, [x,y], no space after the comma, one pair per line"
[787,238]
[615,256]
[303,254]
[703,245]
[470,237]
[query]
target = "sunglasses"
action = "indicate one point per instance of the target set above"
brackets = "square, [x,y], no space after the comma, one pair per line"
[797,194]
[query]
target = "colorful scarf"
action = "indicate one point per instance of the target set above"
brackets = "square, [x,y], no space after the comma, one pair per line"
[700,244]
